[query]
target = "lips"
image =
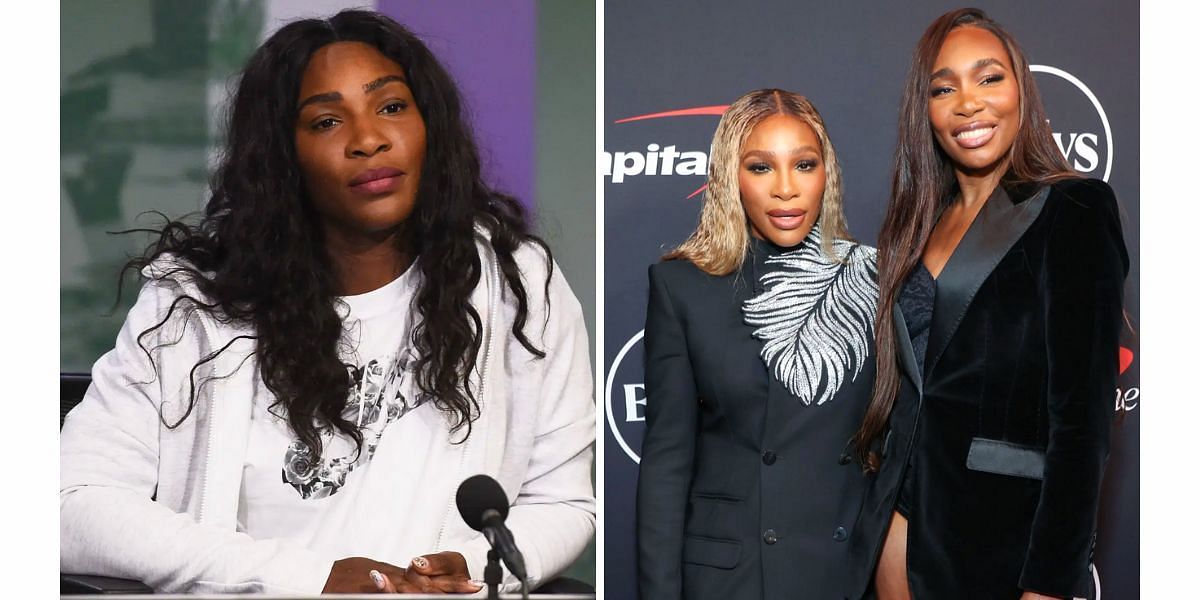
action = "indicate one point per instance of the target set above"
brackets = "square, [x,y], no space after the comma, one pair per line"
[376,181]
[974,135]
[786,218]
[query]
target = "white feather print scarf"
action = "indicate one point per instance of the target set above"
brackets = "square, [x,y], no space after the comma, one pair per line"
[815,314]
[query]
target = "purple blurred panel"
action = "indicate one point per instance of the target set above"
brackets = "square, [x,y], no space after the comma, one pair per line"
[490,49]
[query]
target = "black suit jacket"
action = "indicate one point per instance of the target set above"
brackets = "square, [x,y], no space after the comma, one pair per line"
[743,491]
[1014,406]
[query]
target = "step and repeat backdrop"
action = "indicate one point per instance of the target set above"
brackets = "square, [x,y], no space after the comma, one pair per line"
[672,67]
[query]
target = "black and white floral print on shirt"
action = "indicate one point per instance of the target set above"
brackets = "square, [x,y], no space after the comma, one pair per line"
[376,400]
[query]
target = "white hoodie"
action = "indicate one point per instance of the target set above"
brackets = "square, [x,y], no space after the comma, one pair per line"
[143,501]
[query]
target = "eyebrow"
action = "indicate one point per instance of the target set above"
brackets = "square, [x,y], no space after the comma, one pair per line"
[337,96]
[386,79]
[320,99]
[979,64]
[794,151]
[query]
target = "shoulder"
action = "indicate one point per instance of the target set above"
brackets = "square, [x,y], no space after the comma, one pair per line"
[1083,196]
[677,273]
[174,276]
[1084,220]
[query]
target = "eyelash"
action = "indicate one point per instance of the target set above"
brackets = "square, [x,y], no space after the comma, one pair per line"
[322,125]
[398,103]
[330,122]
[803,166]
[989,79]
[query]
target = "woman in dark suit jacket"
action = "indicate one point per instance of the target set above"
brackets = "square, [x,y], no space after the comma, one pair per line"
[1001,274]
[758,336]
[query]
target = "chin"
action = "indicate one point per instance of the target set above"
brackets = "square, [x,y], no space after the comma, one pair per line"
[787,239]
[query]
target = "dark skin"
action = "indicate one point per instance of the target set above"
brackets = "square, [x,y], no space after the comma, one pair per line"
[974,111]
[441,573]
[358,121]
[360,143]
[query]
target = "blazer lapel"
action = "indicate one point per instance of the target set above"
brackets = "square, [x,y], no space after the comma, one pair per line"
[908,358]
[999,224]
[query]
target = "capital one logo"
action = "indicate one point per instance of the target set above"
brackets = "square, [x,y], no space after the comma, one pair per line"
[625,397]
[1078,120]
[662,157]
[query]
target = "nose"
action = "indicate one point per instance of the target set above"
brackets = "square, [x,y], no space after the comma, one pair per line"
[366,140]
[785,187]
[969,102]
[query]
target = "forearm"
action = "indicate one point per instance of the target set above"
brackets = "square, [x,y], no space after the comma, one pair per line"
[113,532]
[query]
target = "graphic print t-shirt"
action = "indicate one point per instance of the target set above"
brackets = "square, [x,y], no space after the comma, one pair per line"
[345,501]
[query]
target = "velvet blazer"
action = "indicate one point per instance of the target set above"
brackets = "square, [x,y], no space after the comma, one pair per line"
[744,492]
[1016,400]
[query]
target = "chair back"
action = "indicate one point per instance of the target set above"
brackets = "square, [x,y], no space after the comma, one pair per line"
[72,387]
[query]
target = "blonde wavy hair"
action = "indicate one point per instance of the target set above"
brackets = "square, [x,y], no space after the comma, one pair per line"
[718,246]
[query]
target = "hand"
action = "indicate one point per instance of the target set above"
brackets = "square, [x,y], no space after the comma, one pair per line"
[1036,596]
[353,576]
[442,572]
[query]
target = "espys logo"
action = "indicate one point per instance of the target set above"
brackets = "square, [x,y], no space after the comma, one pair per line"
[625,396]
[659,158]
[1080,125]
[626,411]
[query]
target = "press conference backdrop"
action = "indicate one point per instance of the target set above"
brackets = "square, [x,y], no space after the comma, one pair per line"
[671,67]
[144,83]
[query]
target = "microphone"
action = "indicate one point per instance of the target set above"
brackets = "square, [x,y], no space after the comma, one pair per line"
[483,505]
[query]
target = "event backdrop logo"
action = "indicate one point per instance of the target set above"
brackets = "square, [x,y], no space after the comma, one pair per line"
[626,405]
[1078,120]
[660,158]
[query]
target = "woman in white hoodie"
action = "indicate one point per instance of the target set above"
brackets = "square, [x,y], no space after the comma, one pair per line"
[356,324]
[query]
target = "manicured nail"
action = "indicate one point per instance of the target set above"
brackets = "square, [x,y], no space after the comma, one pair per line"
[420,562]
[475,582]
[377,577]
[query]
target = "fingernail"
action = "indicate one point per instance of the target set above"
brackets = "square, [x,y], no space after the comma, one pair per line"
[475,582]
[420,562]
[377,577]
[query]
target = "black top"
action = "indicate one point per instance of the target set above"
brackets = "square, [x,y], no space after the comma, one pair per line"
[743,491]
[916,302]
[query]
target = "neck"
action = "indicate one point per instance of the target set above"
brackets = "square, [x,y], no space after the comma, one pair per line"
[366,263]
[975,187]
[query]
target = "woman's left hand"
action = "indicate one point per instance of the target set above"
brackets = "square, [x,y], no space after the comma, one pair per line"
[442,572]
[1037,596]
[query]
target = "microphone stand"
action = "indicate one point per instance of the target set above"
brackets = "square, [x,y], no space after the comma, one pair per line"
[492,575]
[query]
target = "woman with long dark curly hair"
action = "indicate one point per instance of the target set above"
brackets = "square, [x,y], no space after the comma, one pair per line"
[1000,276]
[356,324]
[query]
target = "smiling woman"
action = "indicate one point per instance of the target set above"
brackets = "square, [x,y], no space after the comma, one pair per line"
[357,324]
[1001,275]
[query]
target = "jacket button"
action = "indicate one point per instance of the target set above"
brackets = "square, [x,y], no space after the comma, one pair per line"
[770,537]
[839,534]
[769,457]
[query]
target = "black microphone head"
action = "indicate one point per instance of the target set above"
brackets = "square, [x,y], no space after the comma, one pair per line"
[476,495]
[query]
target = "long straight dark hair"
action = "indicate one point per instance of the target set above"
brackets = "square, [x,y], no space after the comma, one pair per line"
[923,184]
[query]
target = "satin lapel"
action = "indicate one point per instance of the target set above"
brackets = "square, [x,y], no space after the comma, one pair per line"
[998,226]
[908,358]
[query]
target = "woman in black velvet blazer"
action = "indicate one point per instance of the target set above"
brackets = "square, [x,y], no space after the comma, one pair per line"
[758,335]
[1001,275]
